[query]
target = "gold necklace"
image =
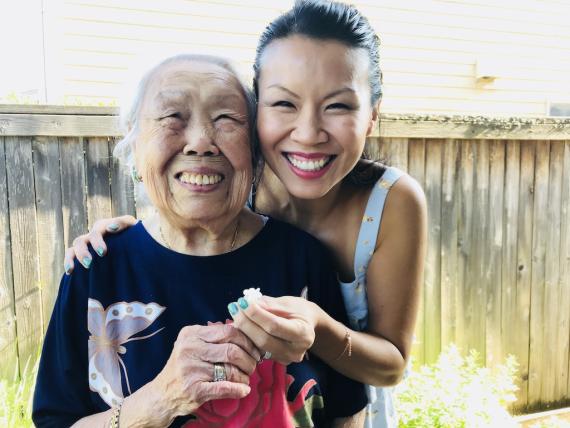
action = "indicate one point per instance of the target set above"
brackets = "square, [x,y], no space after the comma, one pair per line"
[232,245]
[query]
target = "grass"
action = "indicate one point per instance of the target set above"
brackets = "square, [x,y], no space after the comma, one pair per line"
[16,397]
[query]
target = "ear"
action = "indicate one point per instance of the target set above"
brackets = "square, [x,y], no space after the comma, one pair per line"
[373,119]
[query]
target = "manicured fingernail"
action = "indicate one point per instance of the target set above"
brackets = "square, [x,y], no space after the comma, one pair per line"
[113,227]
[243,303]
[86,262]
[233,308]
[100,251]
[67,268]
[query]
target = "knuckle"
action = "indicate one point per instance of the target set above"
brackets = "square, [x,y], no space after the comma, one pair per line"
[263,342]
[271,327]
[232,352]
[186,332]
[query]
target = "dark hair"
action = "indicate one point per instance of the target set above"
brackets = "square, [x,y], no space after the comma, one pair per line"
[326,20]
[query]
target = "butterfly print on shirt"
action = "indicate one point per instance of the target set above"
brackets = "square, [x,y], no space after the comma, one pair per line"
[110,329]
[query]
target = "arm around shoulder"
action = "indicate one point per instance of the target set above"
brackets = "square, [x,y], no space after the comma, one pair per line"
[393,281]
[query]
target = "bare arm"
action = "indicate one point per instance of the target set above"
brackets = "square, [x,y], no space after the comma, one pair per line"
[289,326]
[394,279]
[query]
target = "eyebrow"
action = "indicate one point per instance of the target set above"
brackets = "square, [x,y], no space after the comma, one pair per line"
[331,95]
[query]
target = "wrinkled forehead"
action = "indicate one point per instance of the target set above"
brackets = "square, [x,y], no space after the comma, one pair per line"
[193,82]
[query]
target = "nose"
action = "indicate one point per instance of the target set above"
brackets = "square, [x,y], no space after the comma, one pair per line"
[200,141]
[308,128]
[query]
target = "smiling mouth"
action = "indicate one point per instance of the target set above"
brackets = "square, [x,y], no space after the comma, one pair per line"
[200,179]
[309,165]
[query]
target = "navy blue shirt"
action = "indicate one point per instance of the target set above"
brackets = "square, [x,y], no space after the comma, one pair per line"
[113,328]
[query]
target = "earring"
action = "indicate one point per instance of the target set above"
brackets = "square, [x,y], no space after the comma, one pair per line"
[135,175]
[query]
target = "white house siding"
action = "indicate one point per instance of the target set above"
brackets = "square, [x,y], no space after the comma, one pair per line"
[430,48]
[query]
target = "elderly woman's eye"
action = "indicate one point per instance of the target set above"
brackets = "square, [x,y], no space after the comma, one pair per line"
[175,115]
[225,116]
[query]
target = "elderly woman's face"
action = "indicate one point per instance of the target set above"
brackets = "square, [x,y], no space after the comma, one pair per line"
[193,148]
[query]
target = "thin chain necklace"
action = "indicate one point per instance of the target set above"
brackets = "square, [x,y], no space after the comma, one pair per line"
[232,245]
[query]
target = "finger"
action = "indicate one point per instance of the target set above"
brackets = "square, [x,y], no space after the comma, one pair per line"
[68,263]
[289,329]
[113,225]
[81,251]
[228,353]
[217,390]
[282,351]
[283,306]
[226,333]
[96,241]
[233,373]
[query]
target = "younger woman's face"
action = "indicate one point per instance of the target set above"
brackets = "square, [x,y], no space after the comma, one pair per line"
[314,112]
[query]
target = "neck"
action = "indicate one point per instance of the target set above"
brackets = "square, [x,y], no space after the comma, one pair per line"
[309,213]
[196,239]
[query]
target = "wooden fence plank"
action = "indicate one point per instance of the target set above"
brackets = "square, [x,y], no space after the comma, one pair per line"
[466,127]
[98,180]
[73,188]
[476,263]
[394,152]
[539,242]
[27,294]
[552,270]
[8,337]
[563,351]
[434,155]
[524,262]
[465,241]
[449,234]
[50,220]
[493,269]
[58,125]
[509,256]
[416,168]
[122,192]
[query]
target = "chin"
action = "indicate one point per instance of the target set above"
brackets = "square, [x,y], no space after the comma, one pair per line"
[302,191]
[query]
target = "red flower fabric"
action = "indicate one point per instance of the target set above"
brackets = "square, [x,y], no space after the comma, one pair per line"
[264,407]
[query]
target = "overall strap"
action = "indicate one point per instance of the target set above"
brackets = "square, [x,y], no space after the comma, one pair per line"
[371,221]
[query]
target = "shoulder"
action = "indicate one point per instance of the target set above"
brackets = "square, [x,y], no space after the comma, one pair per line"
[405,206]
[291,233]
[133,236]
[296,242]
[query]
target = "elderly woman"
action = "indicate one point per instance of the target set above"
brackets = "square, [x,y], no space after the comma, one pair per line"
[140,339]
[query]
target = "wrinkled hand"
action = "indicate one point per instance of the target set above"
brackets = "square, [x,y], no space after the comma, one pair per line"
[186,381]
[94,238]
[284,326]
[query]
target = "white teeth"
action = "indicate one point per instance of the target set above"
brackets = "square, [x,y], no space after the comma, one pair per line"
[312,165]
[200,179]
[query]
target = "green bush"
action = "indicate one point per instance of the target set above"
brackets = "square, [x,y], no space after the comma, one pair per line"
[457,392]
[16,398]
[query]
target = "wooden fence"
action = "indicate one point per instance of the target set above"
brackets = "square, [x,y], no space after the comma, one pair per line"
[497,273]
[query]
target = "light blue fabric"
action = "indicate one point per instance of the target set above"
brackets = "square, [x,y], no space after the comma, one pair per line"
[380,411]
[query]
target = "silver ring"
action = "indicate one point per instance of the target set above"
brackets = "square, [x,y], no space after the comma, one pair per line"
[267,355]
[219,372]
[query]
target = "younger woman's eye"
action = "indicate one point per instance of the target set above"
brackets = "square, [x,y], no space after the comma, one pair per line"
[282,103]
[339,106]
